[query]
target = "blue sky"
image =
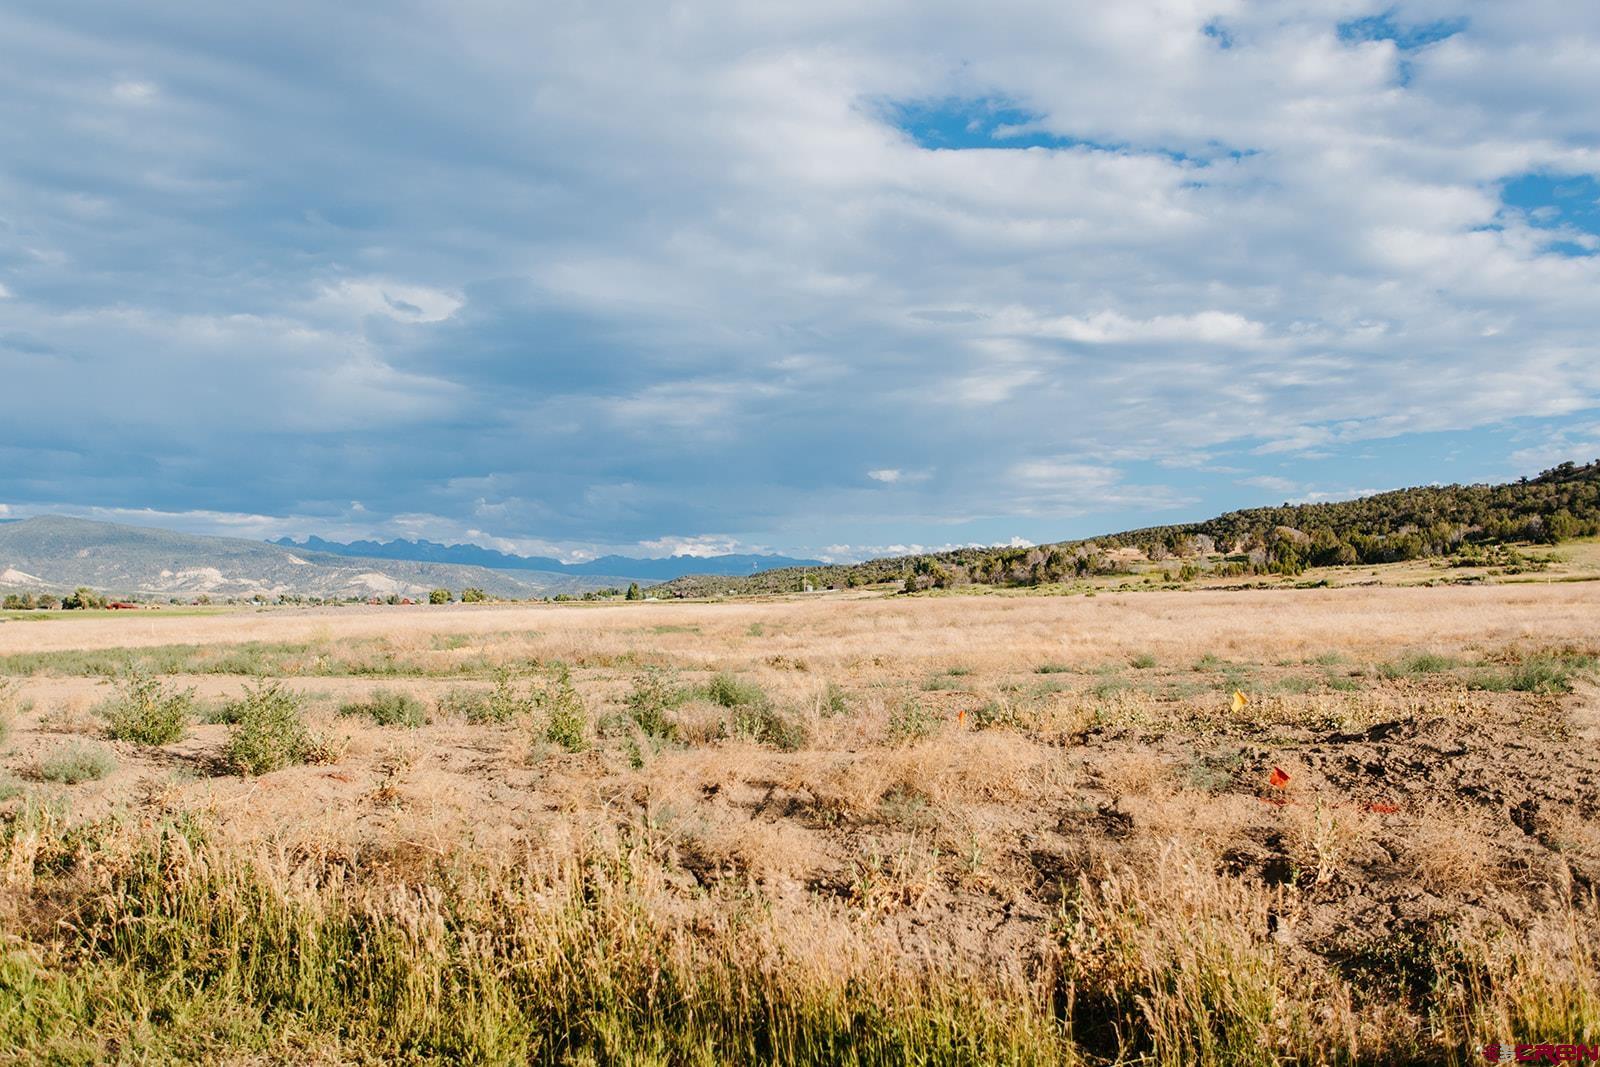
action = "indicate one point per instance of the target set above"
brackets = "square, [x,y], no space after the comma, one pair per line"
[836,281]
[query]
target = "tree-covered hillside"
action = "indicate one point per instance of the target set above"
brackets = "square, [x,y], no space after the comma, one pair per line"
[1561,503]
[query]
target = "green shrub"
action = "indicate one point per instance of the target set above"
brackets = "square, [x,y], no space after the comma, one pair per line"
[767,725]
[1142,661]
[1053,668]
[733,692]
[386,707]
[269,731]
[754,717]
[996,713]
[911,720]
[473,595]
[1543,674]
[566,718]
[440,596]
[832,702]
[76,763]
[1421,663]
[145,711]
[502,703]
[506,701]
[469,704]
[653,696]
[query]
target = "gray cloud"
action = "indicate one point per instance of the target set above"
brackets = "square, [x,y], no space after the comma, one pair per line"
[673,273]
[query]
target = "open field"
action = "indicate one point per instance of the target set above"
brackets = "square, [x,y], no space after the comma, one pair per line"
[827,829]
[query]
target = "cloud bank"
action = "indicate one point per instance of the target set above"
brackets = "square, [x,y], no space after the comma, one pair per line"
[682,276]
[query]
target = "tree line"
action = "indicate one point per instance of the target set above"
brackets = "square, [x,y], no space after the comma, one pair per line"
[1473,521]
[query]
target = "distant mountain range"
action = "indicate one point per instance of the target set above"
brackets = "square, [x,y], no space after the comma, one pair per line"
[655,570]
[52,553]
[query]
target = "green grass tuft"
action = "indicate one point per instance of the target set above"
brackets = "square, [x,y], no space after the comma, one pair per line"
[1420,663]
[386,707]
[732,692]
[76,763]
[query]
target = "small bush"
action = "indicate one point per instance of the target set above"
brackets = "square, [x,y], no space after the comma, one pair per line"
[766,725]
[501,704]
[1053,668]
[1142,662]
[911,720]
[469,704]
[386,707]
[440,596]
[269,731]
[832,702]
[653,696]
[1421,663]
[76,763]
[997,713]
[566,718]
[146,712]
[733,692]
[1545,675]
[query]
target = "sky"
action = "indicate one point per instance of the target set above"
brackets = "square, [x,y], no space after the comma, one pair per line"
[833,279]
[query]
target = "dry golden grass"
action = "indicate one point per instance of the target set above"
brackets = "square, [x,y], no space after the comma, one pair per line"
[1099,845]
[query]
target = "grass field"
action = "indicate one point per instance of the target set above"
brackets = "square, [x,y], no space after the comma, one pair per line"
[1342,825]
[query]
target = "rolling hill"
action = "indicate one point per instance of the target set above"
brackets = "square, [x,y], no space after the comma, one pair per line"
[1423,521]
[53,553]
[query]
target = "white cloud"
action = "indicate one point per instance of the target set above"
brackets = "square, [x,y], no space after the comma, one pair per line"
[699,546]
[710,287]
[899,476]
[1271,483]
[1065,474]
[134,92]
